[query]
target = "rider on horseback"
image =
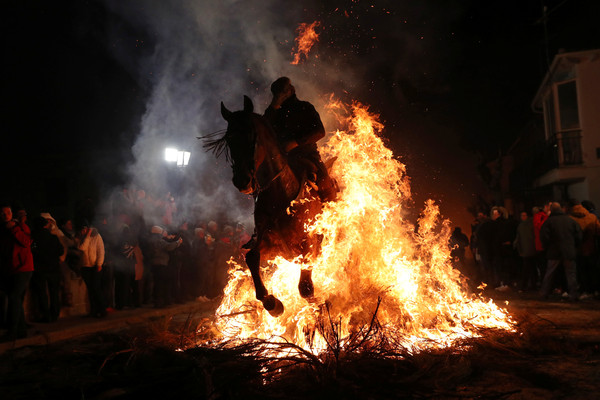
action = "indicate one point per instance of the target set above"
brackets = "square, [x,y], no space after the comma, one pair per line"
[298,127]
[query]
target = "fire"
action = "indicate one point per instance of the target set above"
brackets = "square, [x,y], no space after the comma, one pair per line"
[374,265]
[307,37]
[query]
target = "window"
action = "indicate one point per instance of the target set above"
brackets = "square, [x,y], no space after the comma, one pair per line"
[549,115]
[567,105]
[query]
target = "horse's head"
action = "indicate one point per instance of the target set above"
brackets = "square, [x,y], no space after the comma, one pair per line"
[240,139]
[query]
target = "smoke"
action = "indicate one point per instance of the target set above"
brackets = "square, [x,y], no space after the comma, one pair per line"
[195,55]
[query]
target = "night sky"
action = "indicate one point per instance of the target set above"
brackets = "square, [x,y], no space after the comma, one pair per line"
[450,79]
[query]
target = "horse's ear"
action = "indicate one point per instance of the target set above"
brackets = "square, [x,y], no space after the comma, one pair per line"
[225,112]
[248,106]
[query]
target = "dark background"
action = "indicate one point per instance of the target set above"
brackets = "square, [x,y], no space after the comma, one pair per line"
[449,78]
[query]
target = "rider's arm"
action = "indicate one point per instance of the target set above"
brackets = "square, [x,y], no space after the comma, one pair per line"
[313,129]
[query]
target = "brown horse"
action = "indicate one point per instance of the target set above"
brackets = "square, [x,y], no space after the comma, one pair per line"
[283,200]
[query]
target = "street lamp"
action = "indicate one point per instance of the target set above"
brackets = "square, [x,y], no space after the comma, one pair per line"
[179,157]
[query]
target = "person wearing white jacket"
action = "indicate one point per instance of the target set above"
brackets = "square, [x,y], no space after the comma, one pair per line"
[91,244]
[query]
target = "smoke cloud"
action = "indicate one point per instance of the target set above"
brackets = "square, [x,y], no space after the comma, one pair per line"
[197,54]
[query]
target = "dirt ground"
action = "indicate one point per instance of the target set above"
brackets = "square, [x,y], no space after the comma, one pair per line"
[555,355]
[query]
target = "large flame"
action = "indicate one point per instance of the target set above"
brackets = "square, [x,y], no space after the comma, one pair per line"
[373,263]
[307,37]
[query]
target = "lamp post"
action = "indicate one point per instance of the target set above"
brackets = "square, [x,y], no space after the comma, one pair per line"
[177,161]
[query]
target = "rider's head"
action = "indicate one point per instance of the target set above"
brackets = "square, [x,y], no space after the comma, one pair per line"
[283,86]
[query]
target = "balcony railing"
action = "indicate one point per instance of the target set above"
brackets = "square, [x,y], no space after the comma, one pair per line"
[563,149]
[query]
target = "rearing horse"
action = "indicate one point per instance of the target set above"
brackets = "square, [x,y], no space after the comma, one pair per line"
[283,201]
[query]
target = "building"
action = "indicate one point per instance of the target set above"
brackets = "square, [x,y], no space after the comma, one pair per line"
[558,157]
[569,99]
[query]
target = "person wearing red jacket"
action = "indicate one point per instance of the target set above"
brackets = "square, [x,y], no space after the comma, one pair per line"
[17,267]
[539,217]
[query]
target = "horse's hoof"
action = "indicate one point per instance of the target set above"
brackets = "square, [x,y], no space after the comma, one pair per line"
[306,287]
[273,305]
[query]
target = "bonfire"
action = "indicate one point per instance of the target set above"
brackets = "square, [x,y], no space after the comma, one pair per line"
[381,282]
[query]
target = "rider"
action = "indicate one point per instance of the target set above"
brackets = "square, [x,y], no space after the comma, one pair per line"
[298,127]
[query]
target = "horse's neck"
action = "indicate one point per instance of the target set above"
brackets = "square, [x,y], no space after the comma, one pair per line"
[275,173]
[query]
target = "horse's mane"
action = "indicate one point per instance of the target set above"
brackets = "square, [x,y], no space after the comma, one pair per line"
[216,142]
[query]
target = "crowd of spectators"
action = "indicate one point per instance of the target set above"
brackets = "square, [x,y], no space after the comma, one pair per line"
[141,253]
[553,250]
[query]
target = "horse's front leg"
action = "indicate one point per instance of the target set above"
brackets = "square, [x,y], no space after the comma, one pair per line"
[270,302]
[305,286]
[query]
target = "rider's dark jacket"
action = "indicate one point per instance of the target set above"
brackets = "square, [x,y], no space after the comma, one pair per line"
[297,120]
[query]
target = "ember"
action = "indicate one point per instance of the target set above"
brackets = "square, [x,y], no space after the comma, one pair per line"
[307,37]
[375,268]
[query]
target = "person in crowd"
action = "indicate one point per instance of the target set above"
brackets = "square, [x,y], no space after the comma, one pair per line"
[212,229]
[45,283]
[504,255]
[16,261]
[177,258]
[560,236]
[71,260]
[540,215]
[67,228]
[587,275]
[108,231]
[187,273]
[473,240]
[90,243]
[588,205]
[240,238]
[169,210]
[66,274]
[147,276]
[199,262]
[485,240]
[458,244]
[127,288]
[210,263]
[591,207]
[298,127]
[159,249]
[525,246]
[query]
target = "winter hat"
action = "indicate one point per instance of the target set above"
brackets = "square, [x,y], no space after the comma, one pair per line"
[54,228]
[156,229]
[48,216]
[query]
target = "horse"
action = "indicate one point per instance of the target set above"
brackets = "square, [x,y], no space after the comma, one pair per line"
[283,198]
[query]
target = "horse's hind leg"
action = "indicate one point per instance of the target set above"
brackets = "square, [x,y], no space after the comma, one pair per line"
[305,286]
[270,302]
